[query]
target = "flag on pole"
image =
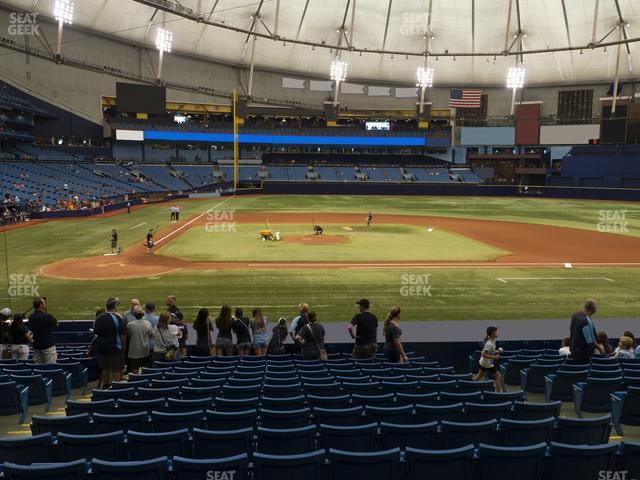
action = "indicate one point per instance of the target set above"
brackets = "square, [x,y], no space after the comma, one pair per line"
[465,98]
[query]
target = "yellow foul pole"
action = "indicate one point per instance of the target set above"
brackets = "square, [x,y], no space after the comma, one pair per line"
[235,141]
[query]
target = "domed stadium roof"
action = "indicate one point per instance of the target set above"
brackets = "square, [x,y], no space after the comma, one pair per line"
[470,42]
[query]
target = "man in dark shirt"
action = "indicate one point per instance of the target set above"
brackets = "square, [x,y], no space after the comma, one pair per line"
[177,318]
[111,335]
[583,334]
[41,325]
[150,242]
[366,334]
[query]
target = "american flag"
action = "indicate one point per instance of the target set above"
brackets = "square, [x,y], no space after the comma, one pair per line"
[465,98]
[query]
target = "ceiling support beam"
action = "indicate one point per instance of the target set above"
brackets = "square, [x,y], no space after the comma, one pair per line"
[213,9]
[617,77]
[595,22]
[304,14]
[146,32]
[623,26]
[386,25]
[277,19]
[506,35]
[352,26]
[253,52]
[566,20]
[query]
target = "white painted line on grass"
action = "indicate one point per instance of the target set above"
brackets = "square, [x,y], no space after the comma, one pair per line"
[507,279]
[136,226]
[192,220]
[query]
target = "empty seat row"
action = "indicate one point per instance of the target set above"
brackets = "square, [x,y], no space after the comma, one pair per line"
[555,462]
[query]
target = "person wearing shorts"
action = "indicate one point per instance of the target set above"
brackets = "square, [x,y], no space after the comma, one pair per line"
[488,357]
[224,340]
[243,333]
[259,327]
[111,335]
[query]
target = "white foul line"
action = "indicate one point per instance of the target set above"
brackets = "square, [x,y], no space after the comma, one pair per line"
[193,220]
[136,226]
[504,279]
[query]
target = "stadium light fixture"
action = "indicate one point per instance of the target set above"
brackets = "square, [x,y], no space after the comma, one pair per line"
[338,74]
[425,80]
[63,13]
[164,42]
[425,77]
[515,80]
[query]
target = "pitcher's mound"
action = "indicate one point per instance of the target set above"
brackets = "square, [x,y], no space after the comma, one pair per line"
[317,239]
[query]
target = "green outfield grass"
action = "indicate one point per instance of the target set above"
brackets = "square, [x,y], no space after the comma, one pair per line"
[385,242]
[454,293]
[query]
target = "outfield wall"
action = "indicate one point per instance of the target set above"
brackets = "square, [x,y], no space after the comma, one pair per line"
[451,189]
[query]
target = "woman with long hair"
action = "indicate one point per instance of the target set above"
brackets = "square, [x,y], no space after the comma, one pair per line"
[202,326]
[259,326]
[603,339]
[241,327]
[278,337]
[166,338]
[393,349]
[224,324]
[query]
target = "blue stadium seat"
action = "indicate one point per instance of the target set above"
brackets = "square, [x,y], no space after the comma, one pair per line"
[105,423]
[434,386]
[129,384]
[145,446]
[200,469]
[630,452]
[105,446]
[136,406]
[369,388]
[158,392]
[399,415]
[61,381]
[419,436]
[230,420]
[336,402]
[75,470]
[276,467]
[479,412]
[454,463]
[176,405]
[283,403]
[14,399]
[532,379]
[128,393]
[74,407]
[338,416]
[455,434]
[498,397]
[40,389]
[625,408]
[416,398]
[285,418]
[280,391]
[580,462]
[519,433]
[345,465]
[430,413]
[361,438]
[386,400]
[559,386]
[535,411]
[159,383]
[154,469]
[286,441]
[469,386]
[594,395]
[76,424]
[511,371]
[170,422]
[323,390]
[27,450]
[235,404]
[399,387]
[244,392]
[196,392]
[221,443]
[523,463]
[583,431]
[455,397]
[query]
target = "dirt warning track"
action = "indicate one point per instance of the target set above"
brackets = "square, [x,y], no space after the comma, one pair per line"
[530,244]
